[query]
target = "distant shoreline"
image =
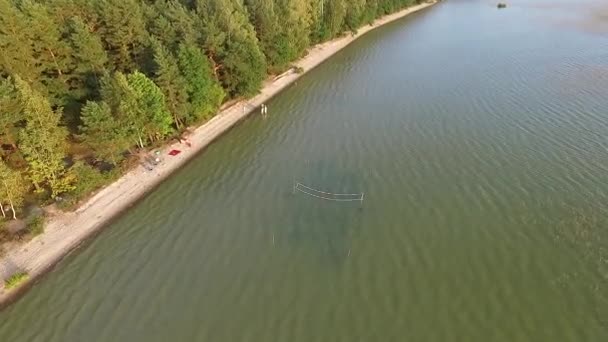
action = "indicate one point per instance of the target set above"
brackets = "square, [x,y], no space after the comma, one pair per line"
[66,231]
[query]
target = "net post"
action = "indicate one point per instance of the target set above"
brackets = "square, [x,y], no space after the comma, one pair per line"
[362,195]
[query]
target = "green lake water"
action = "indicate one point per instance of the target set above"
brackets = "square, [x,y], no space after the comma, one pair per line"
[480,139]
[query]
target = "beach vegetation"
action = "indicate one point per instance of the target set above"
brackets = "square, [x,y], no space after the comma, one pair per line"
[35,225]
[89,179]
[15,280]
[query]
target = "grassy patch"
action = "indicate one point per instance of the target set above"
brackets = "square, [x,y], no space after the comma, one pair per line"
[15,280]
[90,179]
[35,226]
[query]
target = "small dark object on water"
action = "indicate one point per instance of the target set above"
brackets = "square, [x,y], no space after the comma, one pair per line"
[501,5]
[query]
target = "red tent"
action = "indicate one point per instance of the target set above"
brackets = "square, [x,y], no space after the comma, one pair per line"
[174,152]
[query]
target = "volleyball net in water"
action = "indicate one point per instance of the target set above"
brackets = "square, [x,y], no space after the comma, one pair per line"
[328,196]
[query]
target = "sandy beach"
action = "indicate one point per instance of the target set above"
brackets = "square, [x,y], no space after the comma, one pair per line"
[66,231]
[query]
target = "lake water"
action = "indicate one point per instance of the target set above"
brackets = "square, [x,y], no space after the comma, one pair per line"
[480,139]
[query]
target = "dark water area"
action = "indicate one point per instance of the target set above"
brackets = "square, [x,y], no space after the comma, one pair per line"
[480,139]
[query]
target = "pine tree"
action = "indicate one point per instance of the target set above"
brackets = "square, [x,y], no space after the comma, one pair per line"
[12,189]
[122,100]
[370,11]
[139,105]
[355,14]
[10,112]
[168,77]
[89,56]
[160,28]
[334,18]
[105,135]
[16,57]
[314,9]
[171,24]
[204,93]
[266,23]
[147,108]
[214,39]
[50,53]
[65,10]
[231,39]
[297,23]
[43,142]
[123,32]
[184,23]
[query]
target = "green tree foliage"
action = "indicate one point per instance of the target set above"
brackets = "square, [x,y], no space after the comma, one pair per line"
[10,112]
[89,179]
[149,113]
[12,189]
[32,47]
[335,13]
[139,105]
[283,29]
[43,142]
[123,32]
[266,22]
[170,80]
[232,41]
[172,24]
[204,93]
[89,56]
[50,53]
[16,55]
[103,133]
[355,14]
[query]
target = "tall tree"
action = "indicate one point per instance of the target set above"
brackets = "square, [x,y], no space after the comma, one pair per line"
[296,14]
[160,27]
[122,100]
[10,112]
[138,104]
[204,93]
[12,189]
[150,111]
[334,15]
[50,52]
[16,55]
[355,14]
[184,22]
[123,32]
[175,88]
[370,11]
[43,141]
[231,39]
[65,10]
[171,23]
[266,23]
[105,135]
[89,56]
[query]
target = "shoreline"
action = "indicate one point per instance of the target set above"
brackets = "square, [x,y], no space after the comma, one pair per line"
[64,232]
